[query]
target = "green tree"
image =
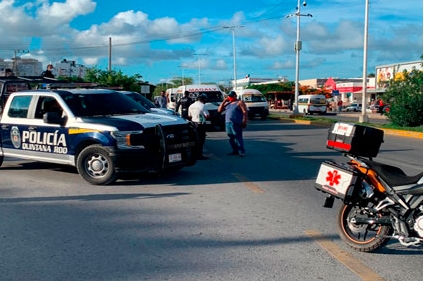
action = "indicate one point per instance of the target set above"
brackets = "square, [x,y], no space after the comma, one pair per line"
[114,78]
[174,83]
[405,96]
[264,88]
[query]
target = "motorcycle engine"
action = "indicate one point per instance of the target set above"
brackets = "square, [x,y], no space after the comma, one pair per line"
[418,226]
[366,191]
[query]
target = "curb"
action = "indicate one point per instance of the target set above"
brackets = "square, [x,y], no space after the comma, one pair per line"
[400,133]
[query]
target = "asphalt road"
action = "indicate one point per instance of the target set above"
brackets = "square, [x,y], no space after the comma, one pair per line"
[226,218]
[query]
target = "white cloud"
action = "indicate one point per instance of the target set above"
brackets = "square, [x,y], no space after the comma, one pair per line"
[62,13]
[49,30]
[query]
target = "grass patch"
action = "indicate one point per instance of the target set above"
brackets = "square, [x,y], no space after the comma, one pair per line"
[396,127]
[331,121]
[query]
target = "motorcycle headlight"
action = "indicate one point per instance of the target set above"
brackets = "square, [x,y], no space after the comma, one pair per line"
[125,139]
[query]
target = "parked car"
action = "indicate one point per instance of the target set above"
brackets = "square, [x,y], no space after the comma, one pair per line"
[354,107]
[148,103]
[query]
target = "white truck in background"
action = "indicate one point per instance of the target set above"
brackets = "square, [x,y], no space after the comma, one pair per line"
[256,103]
[170,95]
[214,97]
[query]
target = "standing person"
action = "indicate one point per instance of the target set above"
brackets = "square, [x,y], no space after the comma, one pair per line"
[161,101]
[184,102]
[380,106]
[235,121]
[48,72]
[9,72]
[340,105]
[198,114]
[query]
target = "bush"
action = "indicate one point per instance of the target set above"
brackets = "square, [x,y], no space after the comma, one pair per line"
[405,96]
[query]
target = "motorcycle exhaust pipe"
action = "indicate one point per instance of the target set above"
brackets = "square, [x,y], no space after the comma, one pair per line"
[380,221]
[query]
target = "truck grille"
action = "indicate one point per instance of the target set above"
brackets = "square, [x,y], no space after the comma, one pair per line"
[178,134]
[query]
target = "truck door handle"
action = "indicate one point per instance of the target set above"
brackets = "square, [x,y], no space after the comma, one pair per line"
[32,128]
[4,127]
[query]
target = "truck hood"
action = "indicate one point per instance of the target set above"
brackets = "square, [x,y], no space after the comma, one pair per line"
[136,121]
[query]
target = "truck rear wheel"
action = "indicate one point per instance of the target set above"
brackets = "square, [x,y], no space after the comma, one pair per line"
[1,160]
[96,166]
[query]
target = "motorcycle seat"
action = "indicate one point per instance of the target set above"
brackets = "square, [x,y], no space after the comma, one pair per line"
[394,176]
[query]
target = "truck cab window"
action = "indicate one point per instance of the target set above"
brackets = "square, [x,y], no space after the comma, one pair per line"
[19,107]
[47,104]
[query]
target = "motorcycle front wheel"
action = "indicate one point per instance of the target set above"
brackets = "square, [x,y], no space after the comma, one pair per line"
[361,237]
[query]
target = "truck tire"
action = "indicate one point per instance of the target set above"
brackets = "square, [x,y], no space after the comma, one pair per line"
[1,160]
[96,166]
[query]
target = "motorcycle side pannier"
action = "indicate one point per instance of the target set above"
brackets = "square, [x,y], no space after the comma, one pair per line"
[336,179]
[355,139]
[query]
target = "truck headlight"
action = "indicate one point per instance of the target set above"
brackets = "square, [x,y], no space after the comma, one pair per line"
[124,139]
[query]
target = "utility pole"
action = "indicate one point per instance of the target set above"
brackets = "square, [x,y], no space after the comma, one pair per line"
[110,55]
[15,60]
[234,53]
[297,48]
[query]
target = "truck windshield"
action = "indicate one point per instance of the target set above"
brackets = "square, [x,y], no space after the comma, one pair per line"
[109,103]
[212,96]
[318,101]
[253,98]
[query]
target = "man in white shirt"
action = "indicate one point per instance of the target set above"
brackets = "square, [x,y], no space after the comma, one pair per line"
[198,114]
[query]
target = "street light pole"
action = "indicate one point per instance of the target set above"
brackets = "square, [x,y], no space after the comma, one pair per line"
[182,75]
[297,48]
[198,59]
[364,117]
[234,53]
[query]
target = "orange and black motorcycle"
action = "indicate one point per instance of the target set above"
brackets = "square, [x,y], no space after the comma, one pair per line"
[380,202]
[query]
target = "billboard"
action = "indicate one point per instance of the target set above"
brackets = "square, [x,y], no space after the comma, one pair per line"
[384,73]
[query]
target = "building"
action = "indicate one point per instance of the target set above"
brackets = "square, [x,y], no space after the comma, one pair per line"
[69,69]
[248,81]
[32,67]
[350,90]
[21,66]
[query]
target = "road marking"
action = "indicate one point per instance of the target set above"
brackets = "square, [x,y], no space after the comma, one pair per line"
[356,266]
[250,185]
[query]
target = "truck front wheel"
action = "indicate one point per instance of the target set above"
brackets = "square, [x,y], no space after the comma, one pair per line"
[96,166]
[1,160]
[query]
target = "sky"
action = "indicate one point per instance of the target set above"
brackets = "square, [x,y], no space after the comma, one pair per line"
[164,40]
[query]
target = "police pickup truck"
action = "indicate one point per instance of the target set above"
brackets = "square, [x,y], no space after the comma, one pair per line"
[101,132]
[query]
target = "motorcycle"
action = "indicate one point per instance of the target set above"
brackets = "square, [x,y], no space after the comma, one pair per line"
[380,202]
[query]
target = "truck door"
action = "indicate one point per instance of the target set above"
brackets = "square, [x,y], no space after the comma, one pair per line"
[27,136]
[13,122]
[48,139]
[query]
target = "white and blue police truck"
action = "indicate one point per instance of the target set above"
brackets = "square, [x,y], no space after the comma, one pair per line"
[103,133]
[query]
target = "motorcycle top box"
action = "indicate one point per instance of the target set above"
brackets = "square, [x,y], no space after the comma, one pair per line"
[355,139]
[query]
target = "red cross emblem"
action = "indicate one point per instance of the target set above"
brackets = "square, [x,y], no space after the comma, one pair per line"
[333,177]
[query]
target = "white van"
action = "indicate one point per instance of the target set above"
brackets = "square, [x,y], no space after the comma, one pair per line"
[170,95]
[256,103]
[309,104]
[214,97]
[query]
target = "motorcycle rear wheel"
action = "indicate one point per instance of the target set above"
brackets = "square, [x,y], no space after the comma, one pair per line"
[361,237]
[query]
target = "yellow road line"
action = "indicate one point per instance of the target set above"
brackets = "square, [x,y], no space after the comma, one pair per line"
[356,266]
[250,185]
